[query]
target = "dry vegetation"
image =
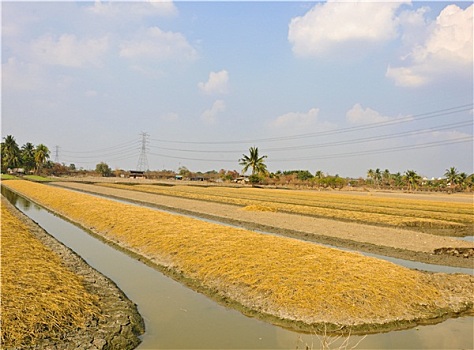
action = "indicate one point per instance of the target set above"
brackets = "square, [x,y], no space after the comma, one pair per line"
[286,278]
[420,214]
[40,298]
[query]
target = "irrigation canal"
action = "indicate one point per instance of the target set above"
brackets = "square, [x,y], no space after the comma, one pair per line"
[179,318]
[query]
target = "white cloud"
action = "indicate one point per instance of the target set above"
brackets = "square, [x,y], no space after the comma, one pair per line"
[22,76]
[296,119]
[415,27]
[69,51]
[407,76]
[330,26]
[358,115]
[300,121]
[216,84]
[210,115]
[133,10]
[448,47]
[157,44]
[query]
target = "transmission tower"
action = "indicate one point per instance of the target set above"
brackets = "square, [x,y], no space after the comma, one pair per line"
[56,155]
[142,164]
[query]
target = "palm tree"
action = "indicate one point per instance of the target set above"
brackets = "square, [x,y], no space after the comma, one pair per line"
[41,155]
[370,174]
[412,178]
[10,153]
[254,161]
[452,175]
[462,180]
[377,176]
[398,178]
[319,174]
[28,156]
[387,177]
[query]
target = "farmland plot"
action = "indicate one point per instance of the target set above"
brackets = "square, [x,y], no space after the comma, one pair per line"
[428,216]
[277,277]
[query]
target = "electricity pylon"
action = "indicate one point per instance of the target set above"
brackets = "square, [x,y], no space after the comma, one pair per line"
[142,164]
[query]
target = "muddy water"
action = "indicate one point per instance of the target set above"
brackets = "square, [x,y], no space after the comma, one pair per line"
[179,318]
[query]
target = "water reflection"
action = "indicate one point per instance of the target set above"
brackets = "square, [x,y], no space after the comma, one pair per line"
[179,318]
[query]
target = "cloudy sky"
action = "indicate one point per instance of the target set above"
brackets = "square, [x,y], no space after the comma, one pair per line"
[340,87]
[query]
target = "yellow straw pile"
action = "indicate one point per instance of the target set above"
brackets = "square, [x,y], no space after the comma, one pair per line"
[40,298]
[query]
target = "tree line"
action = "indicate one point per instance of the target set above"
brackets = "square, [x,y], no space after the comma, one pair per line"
[28,157]
[35,159]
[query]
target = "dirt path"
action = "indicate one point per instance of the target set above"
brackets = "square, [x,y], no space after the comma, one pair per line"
[400,243]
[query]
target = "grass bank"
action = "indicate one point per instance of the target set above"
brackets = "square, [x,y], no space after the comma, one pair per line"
[299,282]
[8,177]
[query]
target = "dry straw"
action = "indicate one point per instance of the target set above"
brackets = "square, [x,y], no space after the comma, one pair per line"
[40,297]
[283,277]
[423,214]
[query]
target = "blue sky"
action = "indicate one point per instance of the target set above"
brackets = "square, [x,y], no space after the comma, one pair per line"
[340,87]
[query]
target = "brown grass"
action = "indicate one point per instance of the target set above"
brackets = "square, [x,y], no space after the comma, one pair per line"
[286,278]
[40,298]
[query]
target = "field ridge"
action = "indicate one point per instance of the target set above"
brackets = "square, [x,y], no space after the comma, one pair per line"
[288,279]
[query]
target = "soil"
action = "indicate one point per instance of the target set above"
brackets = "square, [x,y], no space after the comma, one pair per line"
[120,324]
[394,242]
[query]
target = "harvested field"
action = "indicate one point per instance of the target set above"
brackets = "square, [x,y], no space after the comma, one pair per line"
[423,215]
[40,297]
[279,277]
[50,298]
[389,241]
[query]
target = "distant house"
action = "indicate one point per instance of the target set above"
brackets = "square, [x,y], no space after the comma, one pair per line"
[242,179]
[16,171]
[135,174]
[198,178]
[178,177]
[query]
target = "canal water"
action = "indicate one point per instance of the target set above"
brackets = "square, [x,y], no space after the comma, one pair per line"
[179,318]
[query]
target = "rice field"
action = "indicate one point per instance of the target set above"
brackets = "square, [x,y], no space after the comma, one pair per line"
[285,278]
[458,218]
[40,297]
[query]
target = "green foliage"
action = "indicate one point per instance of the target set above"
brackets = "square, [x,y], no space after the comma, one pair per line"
[332,182]
[11,157]
[412,178]
[255,179]
[28,156]
[184,172]
[302,175]
[37,178]
[254,161]
[103,169]
[41,155]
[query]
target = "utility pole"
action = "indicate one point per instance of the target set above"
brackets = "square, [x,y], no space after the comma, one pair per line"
[142,164]
[56,154]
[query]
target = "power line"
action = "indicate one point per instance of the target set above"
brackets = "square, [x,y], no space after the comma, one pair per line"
[416,117]
[118,152]
[383,150]
[336,143]
[341,155]
[106,149]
